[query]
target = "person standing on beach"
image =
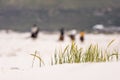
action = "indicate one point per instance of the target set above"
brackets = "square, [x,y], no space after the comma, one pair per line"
[34,31]
[82,36]
[61,38]
[72,34]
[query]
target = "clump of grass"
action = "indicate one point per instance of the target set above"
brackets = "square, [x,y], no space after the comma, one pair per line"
[74,54]
[37,55]
[71,54]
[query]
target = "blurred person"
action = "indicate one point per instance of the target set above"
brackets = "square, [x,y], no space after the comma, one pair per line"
[61,38]
[82,34]
[72,34]
[34,31]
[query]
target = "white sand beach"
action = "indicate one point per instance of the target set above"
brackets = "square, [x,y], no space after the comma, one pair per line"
[16,61]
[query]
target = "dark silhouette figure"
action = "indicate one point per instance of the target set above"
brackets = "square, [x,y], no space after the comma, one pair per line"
[61,38]
[82,36]
[34,31]
[72,35]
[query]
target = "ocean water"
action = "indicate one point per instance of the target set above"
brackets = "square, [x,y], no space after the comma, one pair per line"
[82,19]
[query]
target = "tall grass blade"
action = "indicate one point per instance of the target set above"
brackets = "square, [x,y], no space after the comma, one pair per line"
[110,43]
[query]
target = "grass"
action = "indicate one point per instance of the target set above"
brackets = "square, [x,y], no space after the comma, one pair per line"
[73,54]
[37,55]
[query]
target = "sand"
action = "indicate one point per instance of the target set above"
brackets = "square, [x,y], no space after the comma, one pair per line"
[16,61]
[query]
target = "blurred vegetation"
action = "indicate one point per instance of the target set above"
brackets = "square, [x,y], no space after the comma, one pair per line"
[75,54]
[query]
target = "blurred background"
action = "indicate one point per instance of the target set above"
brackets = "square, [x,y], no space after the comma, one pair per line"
[51,15]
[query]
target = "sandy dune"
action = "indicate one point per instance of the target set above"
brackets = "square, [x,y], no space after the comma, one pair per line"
[16,61]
